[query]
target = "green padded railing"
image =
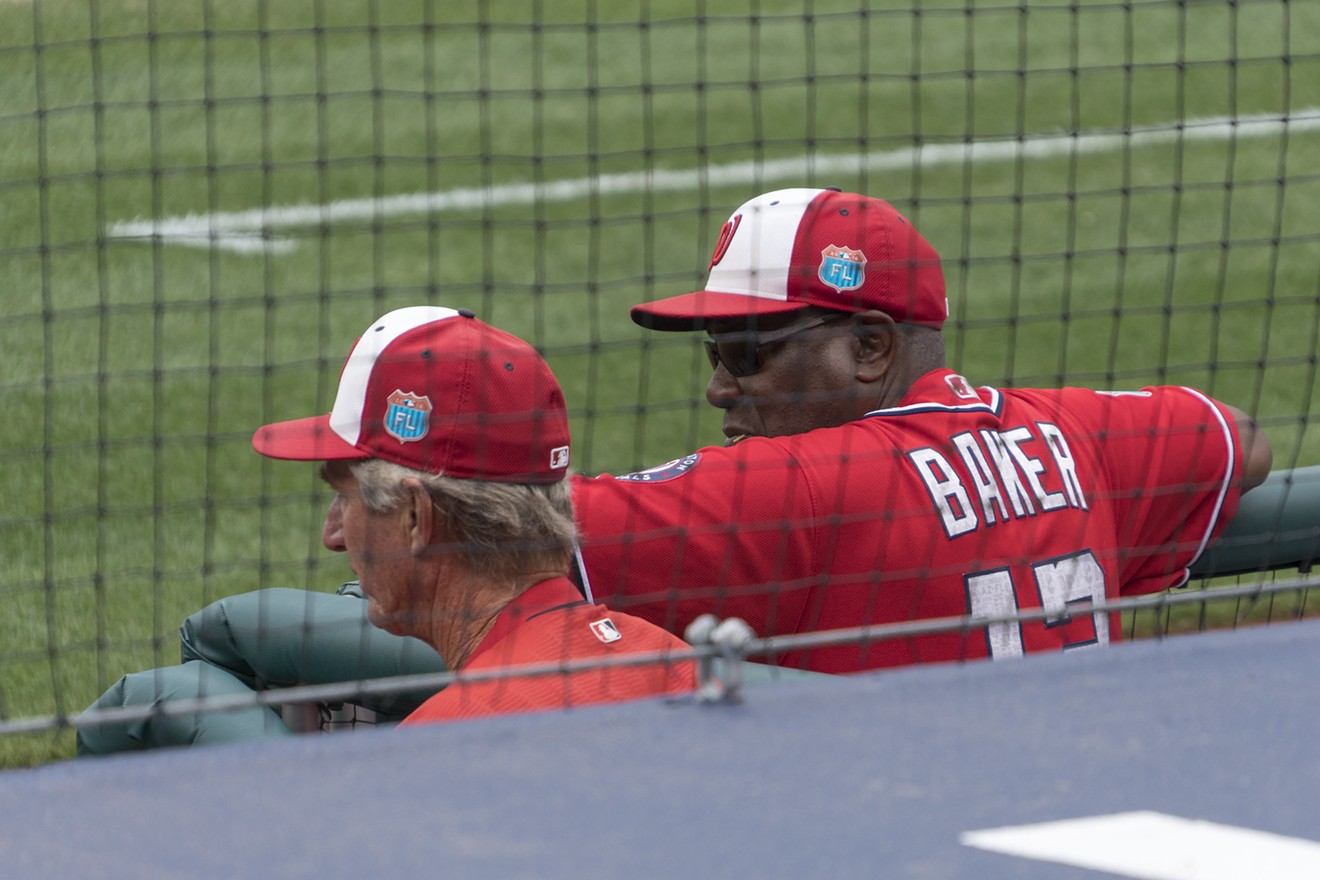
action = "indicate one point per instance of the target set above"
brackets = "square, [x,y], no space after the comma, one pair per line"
[1277,526]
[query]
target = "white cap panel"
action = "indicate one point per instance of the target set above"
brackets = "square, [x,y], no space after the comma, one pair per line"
[346,417]
[756,262]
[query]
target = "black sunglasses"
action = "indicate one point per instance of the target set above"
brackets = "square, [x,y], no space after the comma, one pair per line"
[743,354]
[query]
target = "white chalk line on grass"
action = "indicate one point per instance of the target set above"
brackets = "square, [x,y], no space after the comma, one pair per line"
[251,231]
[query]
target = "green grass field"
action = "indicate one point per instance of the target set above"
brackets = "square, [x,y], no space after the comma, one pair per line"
[133,371]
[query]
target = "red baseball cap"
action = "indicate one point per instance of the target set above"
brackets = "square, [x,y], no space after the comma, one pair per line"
[436,390]
[793,248]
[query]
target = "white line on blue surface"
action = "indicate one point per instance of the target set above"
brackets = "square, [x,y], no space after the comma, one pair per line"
[1154,846]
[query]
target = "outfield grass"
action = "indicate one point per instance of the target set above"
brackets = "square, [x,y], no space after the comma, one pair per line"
[132,373]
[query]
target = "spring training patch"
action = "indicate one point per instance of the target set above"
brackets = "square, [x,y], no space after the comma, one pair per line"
[668,471]
[408,417]
[842,268]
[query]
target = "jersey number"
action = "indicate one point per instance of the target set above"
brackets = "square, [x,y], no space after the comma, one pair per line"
[1062,585]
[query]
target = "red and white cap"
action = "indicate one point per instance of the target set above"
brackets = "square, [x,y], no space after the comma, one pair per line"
[436,390]
[793,248]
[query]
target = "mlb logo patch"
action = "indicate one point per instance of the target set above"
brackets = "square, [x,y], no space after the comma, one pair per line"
[408,416]
[606,631]
[961,388]
[842,268]
[558,458]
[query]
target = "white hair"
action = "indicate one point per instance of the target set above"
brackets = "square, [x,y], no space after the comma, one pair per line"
[504,529]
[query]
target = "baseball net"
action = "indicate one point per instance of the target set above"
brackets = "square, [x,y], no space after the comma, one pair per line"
[204,202]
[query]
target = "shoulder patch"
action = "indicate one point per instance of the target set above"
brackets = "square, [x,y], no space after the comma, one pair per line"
[670,470]
[605,630]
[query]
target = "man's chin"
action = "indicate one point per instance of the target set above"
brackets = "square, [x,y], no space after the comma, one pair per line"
[395,622]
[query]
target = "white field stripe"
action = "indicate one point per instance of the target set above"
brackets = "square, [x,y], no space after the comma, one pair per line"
[1153,846]
[251,231]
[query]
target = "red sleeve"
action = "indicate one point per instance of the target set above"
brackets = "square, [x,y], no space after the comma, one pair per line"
[724,530]
[1174,465]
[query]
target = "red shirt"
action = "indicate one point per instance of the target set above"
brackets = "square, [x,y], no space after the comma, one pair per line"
[551,622]
[959,500]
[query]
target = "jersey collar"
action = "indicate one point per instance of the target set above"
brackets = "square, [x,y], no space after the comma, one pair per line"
[552,595]
[943,390]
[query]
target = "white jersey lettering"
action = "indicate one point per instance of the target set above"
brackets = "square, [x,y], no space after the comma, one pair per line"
[1032,469]
[946,490]
[993,507]
[1008,480]
[1003,460]
[1067,465]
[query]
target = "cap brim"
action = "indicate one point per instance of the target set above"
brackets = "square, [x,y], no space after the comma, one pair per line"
[692,311]
[309,439]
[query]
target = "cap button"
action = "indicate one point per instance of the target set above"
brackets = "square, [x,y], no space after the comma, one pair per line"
[467,313]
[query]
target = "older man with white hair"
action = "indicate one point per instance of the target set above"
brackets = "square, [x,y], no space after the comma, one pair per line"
[448,452]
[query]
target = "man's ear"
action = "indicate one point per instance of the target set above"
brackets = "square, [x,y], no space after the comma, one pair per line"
[876,344]
[418,516]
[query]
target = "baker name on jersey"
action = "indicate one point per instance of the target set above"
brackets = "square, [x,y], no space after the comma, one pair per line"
[999,475]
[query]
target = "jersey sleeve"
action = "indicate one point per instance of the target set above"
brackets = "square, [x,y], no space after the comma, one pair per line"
[1174,466]
[726,530]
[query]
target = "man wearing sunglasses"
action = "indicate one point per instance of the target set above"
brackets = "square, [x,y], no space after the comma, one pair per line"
[861,481]
[864,482]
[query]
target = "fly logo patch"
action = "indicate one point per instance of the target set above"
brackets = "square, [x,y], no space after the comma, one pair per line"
[408,416]
[842,268]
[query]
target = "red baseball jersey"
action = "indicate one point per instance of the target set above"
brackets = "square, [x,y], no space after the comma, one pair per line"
[552,623]
[959,500]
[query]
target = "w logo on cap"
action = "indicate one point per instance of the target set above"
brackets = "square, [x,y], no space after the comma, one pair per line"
[726,238]
[408,417]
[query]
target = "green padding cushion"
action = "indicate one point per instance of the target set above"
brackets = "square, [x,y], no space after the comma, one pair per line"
[1277,526]
[185,682]
[283,638]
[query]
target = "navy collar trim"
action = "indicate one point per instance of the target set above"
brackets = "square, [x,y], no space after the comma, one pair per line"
[995,407]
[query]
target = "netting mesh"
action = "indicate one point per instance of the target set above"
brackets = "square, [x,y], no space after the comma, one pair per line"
[204,203]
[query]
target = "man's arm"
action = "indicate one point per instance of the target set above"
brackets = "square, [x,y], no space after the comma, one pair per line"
[1257,457]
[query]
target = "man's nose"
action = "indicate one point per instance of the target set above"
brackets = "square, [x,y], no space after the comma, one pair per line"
[332,533]
[722,389]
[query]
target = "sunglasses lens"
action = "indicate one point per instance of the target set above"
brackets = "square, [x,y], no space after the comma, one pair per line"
[743,354]
[740,358]
[712,353]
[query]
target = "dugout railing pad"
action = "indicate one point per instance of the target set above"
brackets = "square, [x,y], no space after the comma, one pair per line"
[1277,525]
